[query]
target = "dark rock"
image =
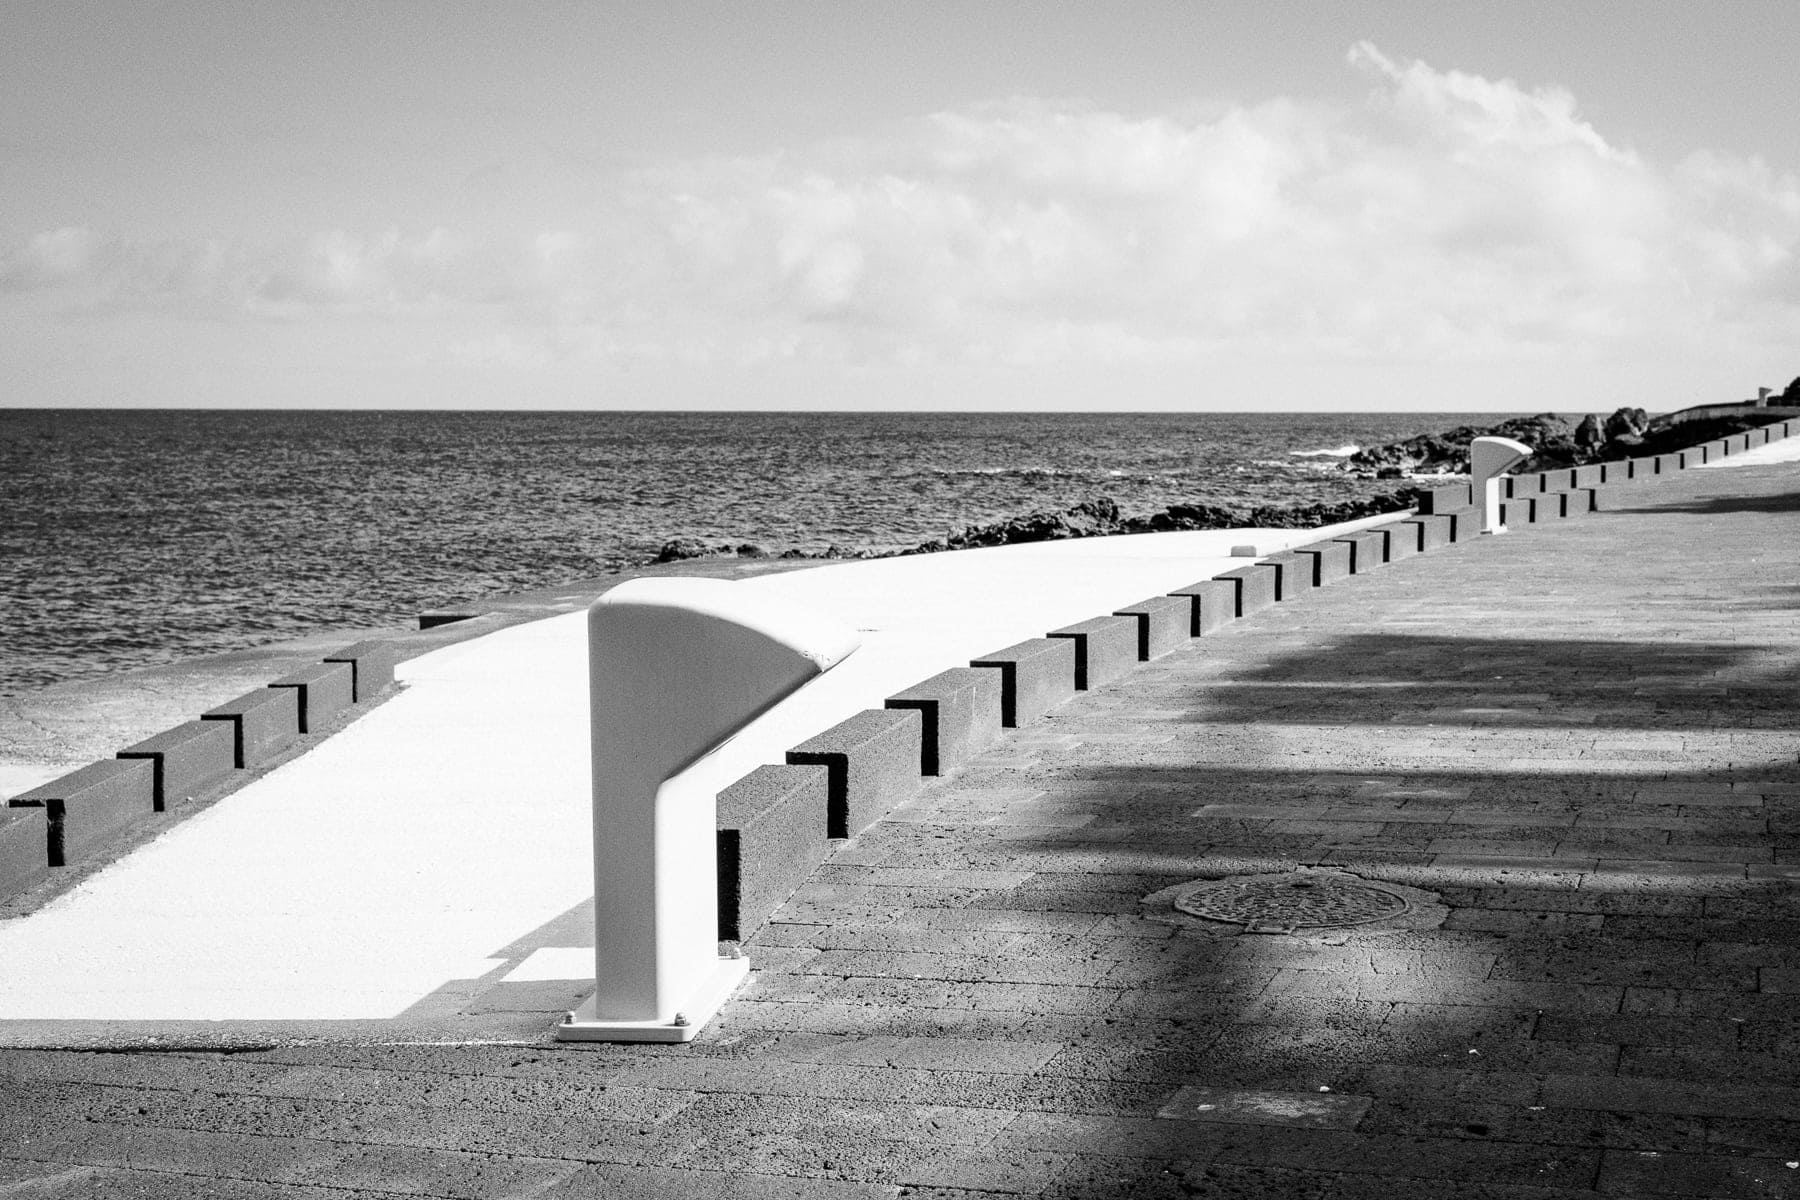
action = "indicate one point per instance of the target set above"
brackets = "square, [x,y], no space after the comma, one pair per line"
[1626,423]
[1448,453]
[751,550]
[1628,433]
[682,548]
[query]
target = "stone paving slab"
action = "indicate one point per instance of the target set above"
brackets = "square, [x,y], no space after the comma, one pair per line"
[1592,773]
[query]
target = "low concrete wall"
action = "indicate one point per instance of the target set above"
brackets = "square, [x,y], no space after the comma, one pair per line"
[1213,605]
[321,692]
[959,713]
[1035,676]
[1105,648]
[262,723]
[872,763]
[86,814]
[771,838]
[1294,574]
[187,760]
[1256,586]
[88,808]
[1368,550]
[1163,624]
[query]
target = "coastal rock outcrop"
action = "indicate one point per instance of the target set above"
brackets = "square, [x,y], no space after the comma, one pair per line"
[1627,433]
[1626,423]
[1448,453]
[1101,517]
[681,549]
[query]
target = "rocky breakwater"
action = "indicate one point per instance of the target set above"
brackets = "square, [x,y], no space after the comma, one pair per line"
[1557,440]
[1100,517]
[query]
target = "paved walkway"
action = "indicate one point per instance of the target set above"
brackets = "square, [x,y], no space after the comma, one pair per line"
[1575,744]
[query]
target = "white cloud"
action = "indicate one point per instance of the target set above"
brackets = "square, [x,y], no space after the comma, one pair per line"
[1450,216]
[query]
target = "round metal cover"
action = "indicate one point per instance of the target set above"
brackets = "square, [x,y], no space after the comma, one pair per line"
[1292,902]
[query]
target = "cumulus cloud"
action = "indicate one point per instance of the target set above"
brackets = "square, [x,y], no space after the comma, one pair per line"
[1449,215]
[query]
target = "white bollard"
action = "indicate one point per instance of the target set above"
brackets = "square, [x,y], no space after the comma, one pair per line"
[676,667]
[1488,456]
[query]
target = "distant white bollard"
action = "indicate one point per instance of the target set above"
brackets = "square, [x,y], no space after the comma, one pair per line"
[676,667]
[1488,456]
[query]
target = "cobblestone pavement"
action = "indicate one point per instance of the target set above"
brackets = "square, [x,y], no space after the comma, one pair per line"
[1572,750]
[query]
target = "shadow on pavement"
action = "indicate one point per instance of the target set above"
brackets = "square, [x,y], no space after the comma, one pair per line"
[1383,678]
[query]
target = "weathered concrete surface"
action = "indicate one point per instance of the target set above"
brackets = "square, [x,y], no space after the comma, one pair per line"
[1579,735]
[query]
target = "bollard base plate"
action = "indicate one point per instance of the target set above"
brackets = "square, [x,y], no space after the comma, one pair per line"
[700,1007]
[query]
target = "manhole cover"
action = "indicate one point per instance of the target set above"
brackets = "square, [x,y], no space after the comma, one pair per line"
[1285,903]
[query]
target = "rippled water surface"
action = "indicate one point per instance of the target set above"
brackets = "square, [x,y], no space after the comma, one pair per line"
[135,537]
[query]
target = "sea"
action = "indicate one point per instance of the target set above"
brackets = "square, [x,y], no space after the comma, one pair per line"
[130,538]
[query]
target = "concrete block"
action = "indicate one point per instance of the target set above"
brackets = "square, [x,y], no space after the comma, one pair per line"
[186,758]
[1463,523]
[24,848]
[1105,649]
[1162,624]
[1434,532]
[1213,605]
[1644,468]
[771,838]
[1592,475]
[1447,499]
[1035,677]
[1368,550]
[1293,574]
[1580,502]
[1716,450]
[1548,507]
[92,805]
[1402,540]
[1529,485]
[372,667]
[959,713]
[1331,561]
[432,618]
[1691,457]
[872,764]
[320,692]
[1255,587]
[262,722]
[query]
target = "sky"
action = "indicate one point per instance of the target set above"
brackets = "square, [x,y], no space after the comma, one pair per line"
[1423,205]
